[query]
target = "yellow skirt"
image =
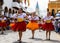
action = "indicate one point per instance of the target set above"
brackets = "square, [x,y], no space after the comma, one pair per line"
[32,26]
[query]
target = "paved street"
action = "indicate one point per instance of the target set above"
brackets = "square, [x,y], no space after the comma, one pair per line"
[12,37]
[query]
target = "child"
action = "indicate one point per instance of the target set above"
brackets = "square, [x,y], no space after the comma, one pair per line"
[10,13]
[56,25]
[33,25]
[28,17]
[13,19]
[20,25]
[40,24]
[48,26]
[6,12]
[0,21]
[3,24]
[12,23]
[8,19]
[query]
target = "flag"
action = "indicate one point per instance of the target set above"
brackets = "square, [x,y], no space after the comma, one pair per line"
[25,1]
[21,0]
[28,2]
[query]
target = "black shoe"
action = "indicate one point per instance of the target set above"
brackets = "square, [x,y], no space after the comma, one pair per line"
[20,41]
[47,39]
[32,37]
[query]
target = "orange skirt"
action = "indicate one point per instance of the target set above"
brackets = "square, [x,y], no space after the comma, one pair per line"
[32,26]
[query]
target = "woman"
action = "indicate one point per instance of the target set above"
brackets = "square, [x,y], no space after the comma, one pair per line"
[20,24]
[0,22]
[48,26]
[33,25]
[6,12]
[3,23]
[8,19]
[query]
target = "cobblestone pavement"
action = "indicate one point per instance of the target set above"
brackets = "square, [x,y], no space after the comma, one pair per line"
[12,37]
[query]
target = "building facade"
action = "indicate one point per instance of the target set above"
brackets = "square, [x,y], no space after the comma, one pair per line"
[54,5]
[12,3]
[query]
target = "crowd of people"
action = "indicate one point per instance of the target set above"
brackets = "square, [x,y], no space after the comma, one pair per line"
[20,21]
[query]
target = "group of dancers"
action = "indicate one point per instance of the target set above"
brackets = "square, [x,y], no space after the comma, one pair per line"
[21,21]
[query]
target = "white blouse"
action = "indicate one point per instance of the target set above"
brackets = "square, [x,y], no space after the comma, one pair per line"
[48,18]
[34,18]
[29,17]
[21,15]
[6,14]
[10,15]
[4,18]
[14,16]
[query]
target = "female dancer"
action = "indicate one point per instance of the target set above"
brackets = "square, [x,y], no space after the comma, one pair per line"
[48,26]
[3,23]
[33,25]
[20,24]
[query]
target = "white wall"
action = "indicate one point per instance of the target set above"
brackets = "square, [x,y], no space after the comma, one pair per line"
[43,4]
[7,3]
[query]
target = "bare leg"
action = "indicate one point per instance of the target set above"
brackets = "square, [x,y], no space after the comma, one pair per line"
[20,35]
[33,34]
[49,34]
[2,31]
[46,34]
[40,29]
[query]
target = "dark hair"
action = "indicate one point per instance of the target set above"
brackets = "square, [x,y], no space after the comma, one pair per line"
[53,12]
[6,9]
[1,2]
[16,11]
[18,1]
[56,19]
[39,17]
[21,9]
[10,11]
[47,9]
[13,11]
[24,12]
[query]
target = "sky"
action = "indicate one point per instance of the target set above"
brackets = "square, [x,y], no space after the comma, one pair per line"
[43,5]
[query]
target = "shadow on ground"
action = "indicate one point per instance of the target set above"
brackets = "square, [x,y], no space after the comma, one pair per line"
[21,42]
[53,41]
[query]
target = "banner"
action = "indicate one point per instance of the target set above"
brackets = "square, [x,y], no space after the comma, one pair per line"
[25,1]
[28,2]
[21,0]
